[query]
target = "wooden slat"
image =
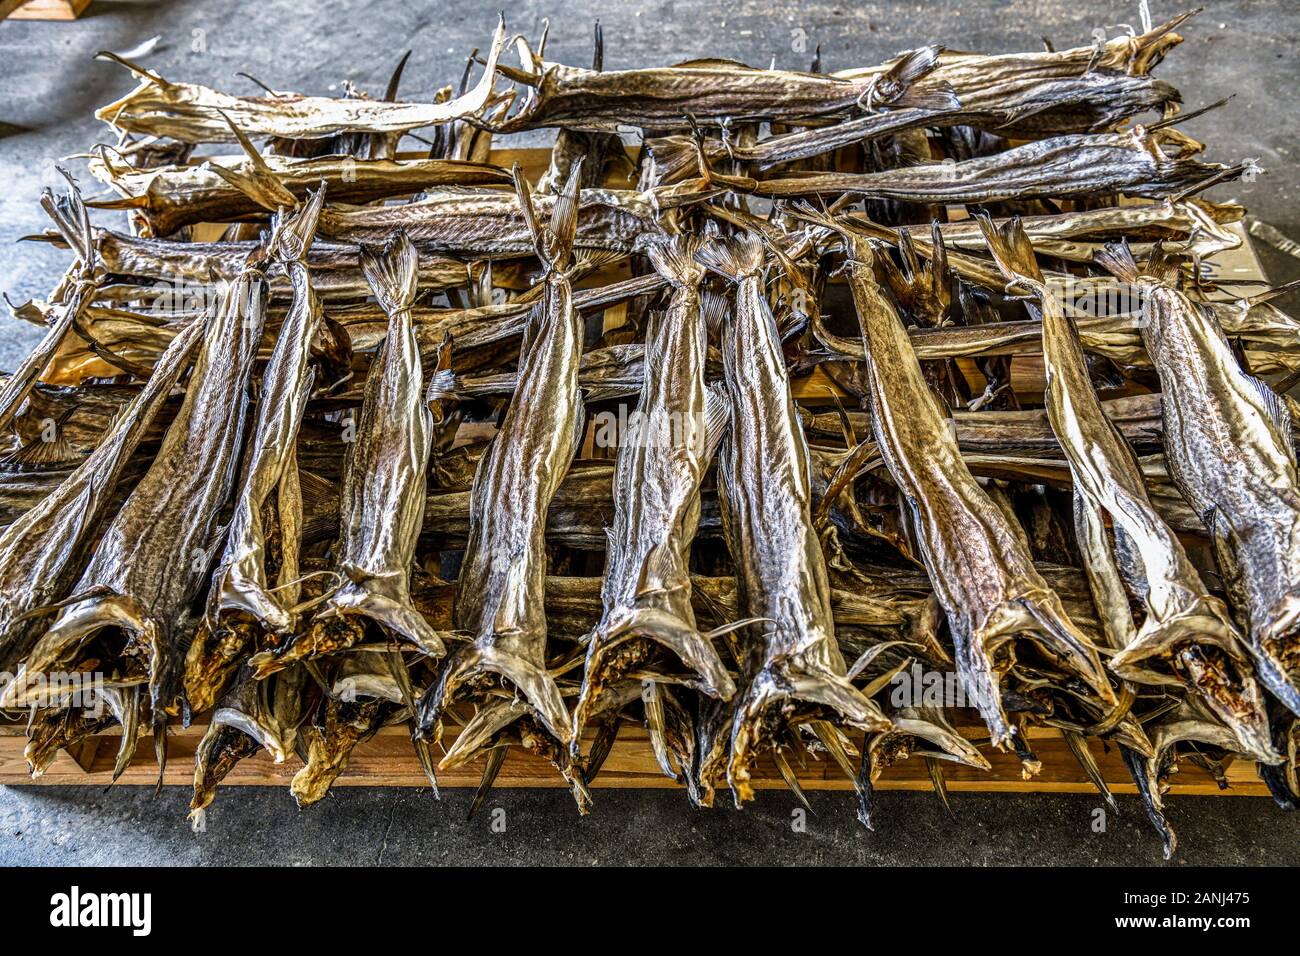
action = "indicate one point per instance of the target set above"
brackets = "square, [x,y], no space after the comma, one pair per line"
[387,760]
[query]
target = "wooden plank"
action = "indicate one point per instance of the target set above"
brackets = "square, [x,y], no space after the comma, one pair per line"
[50,10]
[387,760]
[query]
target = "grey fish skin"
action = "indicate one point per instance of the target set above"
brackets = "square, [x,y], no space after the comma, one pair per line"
[484,221]
[1062,167]
[240,582]
[978,562]
[765,484]
[155,555]
[1184,624]
[1227,440]
[42,551]
[381,506]
[713,91]
[657,478]
[502,578]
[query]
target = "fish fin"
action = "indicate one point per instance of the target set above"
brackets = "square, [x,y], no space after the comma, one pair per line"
[786,680]
[391,272]
[39,453]
[1142,770]
[788,777]
[398,617]
[714,308]
[495,760]
[717,418]
[737,258]
[1078,744]
[1117,259]
[320,506]
[652,706]
[673,257]
[601,746]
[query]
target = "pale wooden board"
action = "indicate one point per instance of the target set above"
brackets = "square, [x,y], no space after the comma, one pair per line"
[50,10]
[387,760]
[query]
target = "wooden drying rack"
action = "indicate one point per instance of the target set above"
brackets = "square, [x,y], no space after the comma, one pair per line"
[387,759]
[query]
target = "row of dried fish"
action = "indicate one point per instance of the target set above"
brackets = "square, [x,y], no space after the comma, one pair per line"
[367,453]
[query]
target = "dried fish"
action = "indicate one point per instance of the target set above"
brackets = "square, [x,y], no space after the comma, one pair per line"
[995,600]
[502,573]
[197,114]
[1187,636]
[1228,442]
[793,669]
[154,556]
[661,465]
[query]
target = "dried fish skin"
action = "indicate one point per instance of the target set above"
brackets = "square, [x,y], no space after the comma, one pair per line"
[381,506]
[1227,439]
[1134,163]
[657,478]
[484,221]
[502,577]
[765,484]
[1185,626]
[240,583]
[154,556]
[41,552]
[162,200]
[715,92]
[191,113]
[978,562]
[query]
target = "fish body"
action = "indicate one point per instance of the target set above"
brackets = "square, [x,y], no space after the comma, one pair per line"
[657,478]
[502,577]
[1228,444]
[794,664]
[977,560]
[154,556]
[1184,624]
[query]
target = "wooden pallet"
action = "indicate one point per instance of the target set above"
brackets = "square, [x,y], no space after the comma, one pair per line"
[48,9]
[387,760]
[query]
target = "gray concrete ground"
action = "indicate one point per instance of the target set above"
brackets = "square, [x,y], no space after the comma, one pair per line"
[49,87]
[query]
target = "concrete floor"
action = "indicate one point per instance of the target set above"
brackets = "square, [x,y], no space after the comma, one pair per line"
[49,87]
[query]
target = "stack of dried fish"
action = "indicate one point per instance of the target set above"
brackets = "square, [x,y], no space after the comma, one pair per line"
[831,380]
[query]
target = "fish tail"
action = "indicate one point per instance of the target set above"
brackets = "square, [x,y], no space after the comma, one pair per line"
[1010,247]
[737,258]
[292,233]
[785,681]
[900,85]
[553,243]
[674,258]
[391,272]
[1117,259]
